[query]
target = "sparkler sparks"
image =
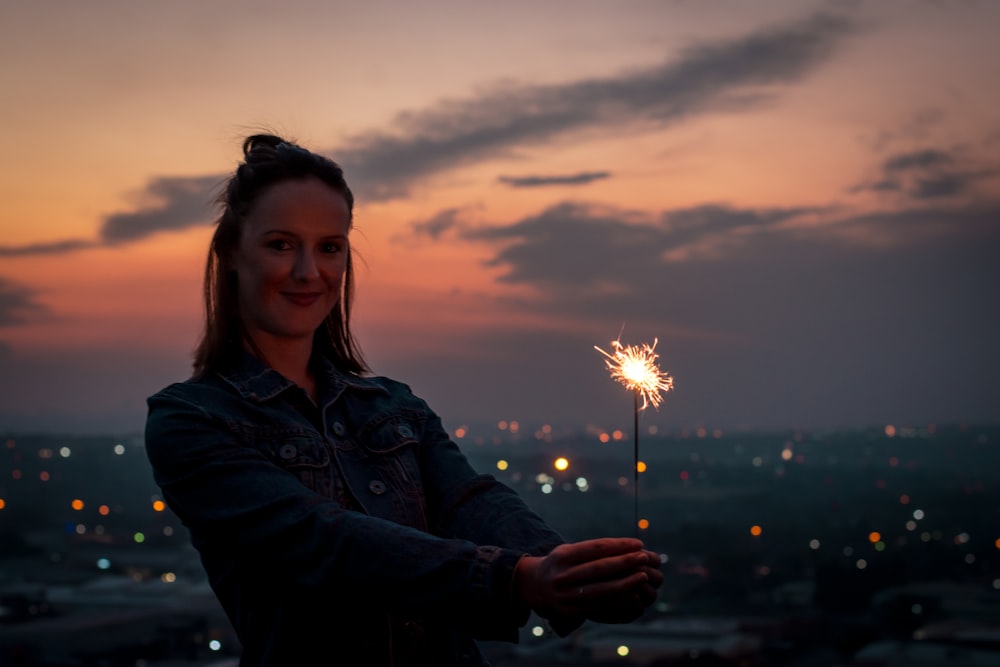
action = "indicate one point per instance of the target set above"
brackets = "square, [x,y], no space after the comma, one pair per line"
[635,367]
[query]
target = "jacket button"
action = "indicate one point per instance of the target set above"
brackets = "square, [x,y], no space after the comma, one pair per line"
[377,487]
[339,429]
[404,430]
[287,452]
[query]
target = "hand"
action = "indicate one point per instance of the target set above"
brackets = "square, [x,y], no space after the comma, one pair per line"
[610,579]
[629,607]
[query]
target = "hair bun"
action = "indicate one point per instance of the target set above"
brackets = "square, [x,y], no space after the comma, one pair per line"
[258,141]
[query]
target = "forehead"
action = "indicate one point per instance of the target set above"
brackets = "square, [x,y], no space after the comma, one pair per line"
[301,206]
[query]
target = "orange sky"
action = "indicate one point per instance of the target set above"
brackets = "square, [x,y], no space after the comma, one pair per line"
[669,107]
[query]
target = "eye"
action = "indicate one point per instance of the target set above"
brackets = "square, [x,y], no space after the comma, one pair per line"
[278,244]
[331,247]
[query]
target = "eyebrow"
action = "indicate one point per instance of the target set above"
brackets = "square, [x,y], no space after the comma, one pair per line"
[285,232]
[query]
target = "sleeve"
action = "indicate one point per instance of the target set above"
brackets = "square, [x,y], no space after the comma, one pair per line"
[475,507]
[242,508]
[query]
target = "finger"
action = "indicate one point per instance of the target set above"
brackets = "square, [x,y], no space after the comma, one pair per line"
[603,593]
[653,558]
[655,576]
[610,568]
[581,552]
[647,595]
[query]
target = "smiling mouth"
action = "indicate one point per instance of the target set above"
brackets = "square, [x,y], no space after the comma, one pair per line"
[302,298]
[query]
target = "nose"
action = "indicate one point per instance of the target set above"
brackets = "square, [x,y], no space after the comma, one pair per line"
[305,268]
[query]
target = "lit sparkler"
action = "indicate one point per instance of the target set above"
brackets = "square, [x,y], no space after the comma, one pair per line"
[635,367]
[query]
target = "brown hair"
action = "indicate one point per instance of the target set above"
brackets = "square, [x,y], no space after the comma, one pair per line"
[267,160]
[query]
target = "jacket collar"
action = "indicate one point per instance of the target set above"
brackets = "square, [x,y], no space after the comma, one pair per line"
[256,381]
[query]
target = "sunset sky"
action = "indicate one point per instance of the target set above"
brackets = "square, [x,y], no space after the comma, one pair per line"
[800,200]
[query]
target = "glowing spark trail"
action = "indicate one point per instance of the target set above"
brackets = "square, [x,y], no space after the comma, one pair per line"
[635,367]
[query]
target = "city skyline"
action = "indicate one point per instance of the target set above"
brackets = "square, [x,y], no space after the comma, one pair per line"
[800,201]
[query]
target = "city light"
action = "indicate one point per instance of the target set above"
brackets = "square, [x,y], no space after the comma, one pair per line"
[756,530]
[501,465]
[159,506]
[77,504]
[643,524]
[640,466]
[561,463]
[874,536]
[538,631]
[623,650]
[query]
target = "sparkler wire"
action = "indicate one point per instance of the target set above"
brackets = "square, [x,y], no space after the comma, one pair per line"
[635,367]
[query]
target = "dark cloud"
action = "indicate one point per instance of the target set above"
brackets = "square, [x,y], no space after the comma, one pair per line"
[18,304]
[923,159]
[179,203]
[582,178]
[442,222]
[575,248]
[929,173]
[861,320]
[174,203]
[728,75]
[52,248]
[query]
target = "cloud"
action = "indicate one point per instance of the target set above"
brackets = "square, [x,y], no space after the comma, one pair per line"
[927,174]
[51,248]
[18,304]
[779,322]
[576,249]
[442,222]
[727,75]
[170,204]
[923,159]
[581,178]
[178,203]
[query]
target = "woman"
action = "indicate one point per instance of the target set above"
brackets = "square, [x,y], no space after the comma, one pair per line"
[336,520]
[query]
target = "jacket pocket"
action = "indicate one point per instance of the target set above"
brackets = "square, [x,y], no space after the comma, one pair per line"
[392,448]
[301,453]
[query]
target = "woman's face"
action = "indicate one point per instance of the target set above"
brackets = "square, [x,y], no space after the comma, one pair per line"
[290,261]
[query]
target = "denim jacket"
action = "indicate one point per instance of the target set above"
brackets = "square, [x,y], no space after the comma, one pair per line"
[354,532]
